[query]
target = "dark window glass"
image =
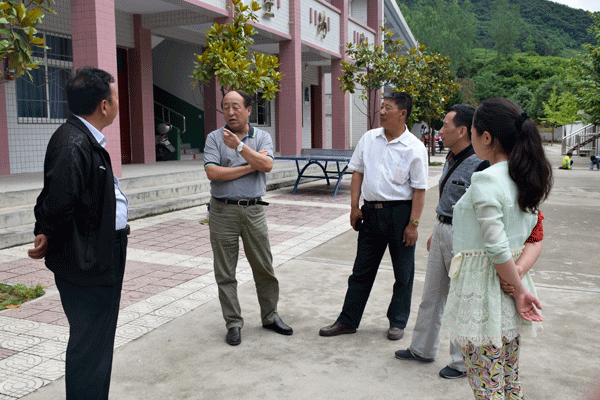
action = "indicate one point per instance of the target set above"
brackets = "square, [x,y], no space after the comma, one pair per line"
[44,96]
[31,95]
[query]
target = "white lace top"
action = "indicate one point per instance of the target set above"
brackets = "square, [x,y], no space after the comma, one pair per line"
[489,227]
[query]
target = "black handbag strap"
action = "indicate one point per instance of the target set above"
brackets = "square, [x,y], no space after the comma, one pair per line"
[462,158]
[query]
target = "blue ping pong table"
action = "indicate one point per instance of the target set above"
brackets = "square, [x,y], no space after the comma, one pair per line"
[322,158]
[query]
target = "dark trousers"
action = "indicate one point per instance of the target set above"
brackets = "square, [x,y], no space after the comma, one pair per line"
[92,313]
[381,228]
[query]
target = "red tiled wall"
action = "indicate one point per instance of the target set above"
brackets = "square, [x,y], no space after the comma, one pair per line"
[142,113]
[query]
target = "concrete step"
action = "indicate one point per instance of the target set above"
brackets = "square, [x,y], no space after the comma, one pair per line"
[16,236]
[149,181]
[15,216]
[150,194]
[23,234]
[19,197]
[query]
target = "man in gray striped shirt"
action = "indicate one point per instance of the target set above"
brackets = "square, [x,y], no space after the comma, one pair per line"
[236,159]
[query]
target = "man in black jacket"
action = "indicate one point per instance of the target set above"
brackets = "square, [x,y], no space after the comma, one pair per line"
[81,230]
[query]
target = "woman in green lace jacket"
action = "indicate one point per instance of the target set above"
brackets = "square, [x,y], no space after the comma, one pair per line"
[491,223]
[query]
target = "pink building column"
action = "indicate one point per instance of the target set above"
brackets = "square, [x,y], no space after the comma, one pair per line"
[375,21]
[142,96]
[95,44]
[340,101]
[4,151]
[289,110]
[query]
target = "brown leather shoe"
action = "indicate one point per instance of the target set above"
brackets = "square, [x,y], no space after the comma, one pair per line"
[336,329]
[395,333]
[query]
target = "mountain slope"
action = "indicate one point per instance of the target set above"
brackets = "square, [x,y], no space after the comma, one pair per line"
[553,27]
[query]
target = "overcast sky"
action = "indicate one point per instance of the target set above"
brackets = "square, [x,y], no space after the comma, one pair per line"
[589,5]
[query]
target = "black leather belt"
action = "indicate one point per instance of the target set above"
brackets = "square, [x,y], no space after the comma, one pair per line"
[386,204]
[243,202]
[444,220]
[123,232]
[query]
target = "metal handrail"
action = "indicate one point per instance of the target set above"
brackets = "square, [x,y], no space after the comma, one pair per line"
[164,109]
[574,140]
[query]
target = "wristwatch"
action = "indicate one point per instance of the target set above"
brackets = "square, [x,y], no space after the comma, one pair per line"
[415,222]
[240,147]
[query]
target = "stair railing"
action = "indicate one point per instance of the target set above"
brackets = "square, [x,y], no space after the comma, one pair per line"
[168,115]
[584,140]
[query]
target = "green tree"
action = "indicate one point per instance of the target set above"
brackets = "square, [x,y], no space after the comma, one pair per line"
[372,68]
[523,97]
[425,75]
[430,81]
[589,72]
[18,35]
[445,27]
[505,27]
[228,58]
[529,44]
[561,110]
[542,94]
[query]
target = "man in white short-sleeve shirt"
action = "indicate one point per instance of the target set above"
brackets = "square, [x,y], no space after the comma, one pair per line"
[390,171]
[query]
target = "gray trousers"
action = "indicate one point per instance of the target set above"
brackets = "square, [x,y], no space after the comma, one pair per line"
[227,222]
[426,333]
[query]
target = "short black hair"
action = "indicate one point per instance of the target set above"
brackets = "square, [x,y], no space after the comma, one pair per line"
[87,88]
[464,116]
[402,100]
[569,153]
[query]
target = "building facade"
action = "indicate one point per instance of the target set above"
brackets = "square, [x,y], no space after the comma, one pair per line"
[150,47]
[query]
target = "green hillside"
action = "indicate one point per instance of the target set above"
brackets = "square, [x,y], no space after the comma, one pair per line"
[545,27]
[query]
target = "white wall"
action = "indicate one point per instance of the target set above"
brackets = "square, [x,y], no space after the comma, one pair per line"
[310,76]
[331,42]
[172,66]
[359,123]
[358,10]
[27,142]
[124,27]
[281,21]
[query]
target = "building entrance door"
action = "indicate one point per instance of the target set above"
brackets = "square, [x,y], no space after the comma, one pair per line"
[123,88]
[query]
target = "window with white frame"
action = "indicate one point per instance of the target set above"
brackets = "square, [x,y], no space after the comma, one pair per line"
[261,111]
[42,98]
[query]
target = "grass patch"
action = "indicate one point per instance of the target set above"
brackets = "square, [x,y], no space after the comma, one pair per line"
[435,163]
[14,296]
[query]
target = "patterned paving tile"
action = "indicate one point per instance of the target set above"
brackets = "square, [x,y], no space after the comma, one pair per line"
[4,353]
[17,325]
[16,386]
[47,349]
[49,370]
[20,342]
[21,362]
[151,321]
[168,273]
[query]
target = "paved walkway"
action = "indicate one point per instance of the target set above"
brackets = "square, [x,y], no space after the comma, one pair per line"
[168,273]
[171,333]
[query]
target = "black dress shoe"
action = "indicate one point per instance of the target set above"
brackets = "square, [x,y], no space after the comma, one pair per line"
[234,336]
[336,329]
[278,326]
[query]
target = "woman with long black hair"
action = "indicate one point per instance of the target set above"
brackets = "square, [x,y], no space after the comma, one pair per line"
[491,223]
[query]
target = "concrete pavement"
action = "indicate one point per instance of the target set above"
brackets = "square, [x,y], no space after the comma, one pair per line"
[171,332]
